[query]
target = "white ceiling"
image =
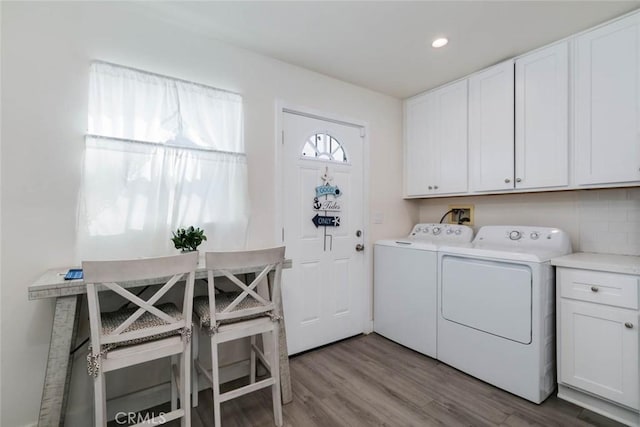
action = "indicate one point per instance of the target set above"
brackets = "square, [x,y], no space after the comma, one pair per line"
[386,45]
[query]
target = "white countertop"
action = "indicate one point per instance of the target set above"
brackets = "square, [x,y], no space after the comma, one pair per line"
[626,264]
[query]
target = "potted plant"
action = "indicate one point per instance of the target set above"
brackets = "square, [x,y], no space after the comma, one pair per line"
[188,239]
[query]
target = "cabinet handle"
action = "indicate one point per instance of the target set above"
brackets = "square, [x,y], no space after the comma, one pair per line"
[518,179]
[435,187]
[430,188]
[507,180]
[594,289]
[628,325]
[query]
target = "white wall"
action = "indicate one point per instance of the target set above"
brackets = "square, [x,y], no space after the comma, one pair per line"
[0,211]
[597,220]
[46,49]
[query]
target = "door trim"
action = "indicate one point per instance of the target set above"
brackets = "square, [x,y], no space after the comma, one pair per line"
[282,107]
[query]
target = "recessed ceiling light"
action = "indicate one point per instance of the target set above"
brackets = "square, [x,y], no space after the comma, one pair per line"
[439,42]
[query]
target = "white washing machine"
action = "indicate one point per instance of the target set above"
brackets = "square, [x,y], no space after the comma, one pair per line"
[405,284]
[497,312]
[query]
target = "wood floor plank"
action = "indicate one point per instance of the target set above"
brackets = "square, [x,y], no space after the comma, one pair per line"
[371,381]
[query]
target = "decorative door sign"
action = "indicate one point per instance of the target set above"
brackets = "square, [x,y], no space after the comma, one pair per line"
[326,221]
[325,201]
[327,190]
[326,205]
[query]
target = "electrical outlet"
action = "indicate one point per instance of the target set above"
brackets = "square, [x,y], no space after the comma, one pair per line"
[463,215]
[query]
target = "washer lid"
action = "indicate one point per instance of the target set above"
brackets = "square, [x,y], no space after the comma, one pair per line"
[408,244]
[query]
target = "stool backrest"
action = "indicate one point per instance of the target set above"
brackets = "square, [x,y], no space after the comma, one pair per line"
[231,265]
[101,276]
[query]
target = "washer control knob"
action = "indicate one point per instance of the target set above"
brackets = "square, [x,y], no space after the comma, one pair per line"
[425,229]
[458,231]
[534,235]
[515,235]
[449,230]
[436,230]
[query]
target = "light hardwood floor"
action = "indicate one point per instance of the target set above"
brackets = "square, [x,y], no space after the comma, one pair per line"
[371,381]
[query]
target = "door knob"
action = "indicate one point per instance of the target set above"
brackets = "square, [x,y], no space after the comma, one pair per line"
[628,325]
[359,247]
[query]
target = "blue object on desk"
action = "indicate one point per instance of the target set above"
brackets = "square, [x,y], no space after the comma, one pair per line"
[73,274]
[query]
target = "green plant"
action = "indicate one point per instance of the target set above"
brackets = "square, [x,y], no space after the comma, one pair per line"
[188,239]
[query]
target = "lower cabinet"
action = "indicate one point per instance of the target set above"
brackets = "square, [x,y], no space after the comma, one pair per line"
[598,340]
[600,350]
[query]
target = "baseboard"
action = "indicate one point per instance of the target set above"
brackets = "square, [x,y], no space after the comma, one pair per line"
[161,393]
[368,327]
[599,406]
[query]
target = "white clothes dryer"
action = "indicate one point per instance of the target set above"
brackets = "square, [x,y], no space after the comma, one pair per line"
[405,284]
[497,311]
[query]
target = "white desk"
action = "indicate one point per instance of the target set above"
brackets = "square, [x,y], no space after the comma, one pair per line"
[68,295]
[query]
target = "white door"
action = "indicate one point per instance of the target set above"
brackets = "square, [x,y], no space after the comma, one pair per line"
[324,294]
[599,350]
[491,128]
[607,103]
[542,118]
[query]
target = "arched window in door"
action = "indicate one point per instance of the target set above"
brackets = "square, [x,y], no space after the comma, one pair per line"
[322,146]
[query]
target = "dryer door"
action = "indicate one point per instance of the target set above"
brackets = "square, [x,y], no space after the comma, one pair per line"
[490,296]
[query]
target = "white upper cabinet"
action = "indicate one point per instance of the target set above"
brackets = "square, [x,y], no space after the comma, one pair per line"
[566,116]
[436,141]
[491,119]
[542,116]
[451,131]
[418,128]
[607,103]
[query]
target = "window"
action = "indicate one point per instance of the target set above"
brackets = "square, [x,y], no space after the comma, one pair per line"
[322,146]
[161,153]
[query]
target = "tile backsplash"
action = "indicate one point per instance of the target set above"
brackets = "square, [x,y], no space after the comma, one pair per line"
[609,221]
[603,220]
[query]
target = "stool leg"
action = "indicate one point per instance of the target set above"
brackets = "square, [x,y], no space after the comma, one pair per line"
[174,387]
[252,374]
[275,373]
[100,400]
[185,380]
[195,342]
[215,374]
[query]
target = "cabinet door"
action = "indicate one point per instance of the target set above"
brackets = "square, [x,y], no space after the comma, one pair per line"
[598,353]
[542,116]
[451,140]
[607,103]
[491,128]
[419,139]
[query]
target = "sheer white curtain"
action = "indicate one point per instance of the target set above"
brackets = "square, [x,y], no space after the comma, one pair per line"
[160,154]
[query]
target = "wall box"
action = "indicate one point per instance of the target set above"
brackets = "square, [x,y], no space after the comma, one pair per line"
[467,211]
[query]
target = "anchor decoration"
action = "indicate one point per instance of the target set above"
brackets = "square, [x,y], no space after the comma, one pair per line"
[326,201]
[326,205]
